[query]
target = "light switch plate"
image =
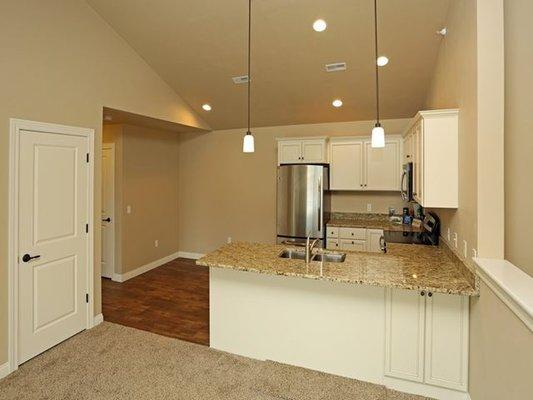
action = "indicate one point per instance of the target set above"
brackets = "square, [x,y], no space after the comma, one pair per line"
[128,209]
[369,207]
[229,239]
[156,243]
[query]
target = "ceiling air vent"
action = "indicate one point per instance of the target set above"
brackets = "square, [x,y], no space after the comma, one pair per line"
[336,67]
[240,79]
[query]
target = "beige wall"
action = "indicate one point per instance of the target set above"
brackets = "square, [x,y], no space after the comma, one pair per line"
[226,193]
[454,86]
[62,63]
[518,133]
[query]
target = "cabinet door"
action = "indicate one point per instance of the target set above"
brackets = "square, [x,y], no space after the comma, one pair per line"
[404,334]
[408,148]
[346,165]
[332,244]
[373,240]
[290,151]
[314,151]
[418,163]
[447,341]
[382,166]
[353,245]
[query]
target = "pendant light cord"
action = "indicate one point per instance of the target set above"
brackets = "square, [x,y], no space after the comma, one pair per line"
[249,57]
[376,57]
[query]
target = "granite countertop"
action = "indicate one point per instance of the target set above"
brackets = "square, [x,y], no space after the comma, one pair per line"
[369,221]
[404,266]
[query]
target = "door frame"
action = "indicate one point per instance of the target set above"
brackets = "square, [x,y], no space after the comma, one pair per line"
[15,127]
[111,146]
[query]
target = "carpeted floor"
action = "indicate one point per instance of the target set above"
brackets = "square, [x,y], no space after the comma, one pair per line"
[117,362]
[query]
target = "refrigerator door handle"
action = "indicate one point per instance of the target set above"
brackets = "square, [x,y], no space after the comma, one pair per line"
[320,205]
[403,192]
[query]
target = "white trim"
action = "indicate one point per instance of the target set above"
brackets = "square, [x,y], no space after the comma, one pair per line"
[186,254]
[4,370]
[111,146]
[15,126]
[98,319]
[425,390]
[512,285]
[144,268]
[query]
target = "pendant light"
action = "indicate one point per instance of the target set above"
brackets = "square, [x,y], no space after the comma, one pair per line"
[378,133]
[248,141]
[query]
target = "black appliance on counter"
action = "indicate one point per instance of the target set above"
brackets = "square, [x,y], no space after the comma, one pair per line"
[430,235]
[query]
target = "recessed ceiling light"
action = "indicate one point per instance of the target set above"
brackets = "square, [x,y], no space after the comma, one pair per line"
[320,25]
[382,61]
[206,107]
[337,103]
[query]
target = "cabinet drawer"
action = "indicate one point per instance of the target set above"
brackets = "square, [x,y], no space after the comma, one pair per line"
[355,245]
[352,233]
[332,232]
[332,244]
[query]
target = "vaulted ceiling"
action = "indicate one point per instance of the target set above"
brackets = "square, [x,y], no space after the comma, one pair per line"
[197,46]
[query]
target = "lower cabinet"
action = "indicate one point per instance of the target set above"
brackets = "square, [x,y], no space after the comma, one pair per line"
[426,338]
[354,239]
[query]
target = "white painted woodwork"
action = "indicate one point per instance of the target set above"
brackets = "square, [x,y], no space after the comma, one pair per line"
[447,341]
[404,334]
[332,244]
[352,233]
[346,164]
[108,211]
[302,150]
[332,232]
[355,165]
[382,166]
[53,211]
[373,240]
[352,244]
[433,137]
[343,329]
[408,149]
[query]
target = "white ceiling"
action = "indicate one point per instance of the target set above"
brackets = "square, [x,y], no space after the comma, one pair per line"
[198,45]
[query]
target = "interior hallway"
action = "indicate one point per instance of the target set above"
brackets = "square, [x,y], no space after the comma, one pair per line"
[113,362]
[171,300]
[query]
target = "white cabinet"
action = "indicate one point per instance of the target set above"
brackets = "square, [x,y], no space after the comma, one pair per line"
[355,165]
[431,143]
[426,338]
[302,150]
[353,239]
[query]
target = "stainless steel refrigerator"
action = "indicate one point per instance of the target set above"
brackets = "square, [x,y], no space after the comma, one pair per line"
[302,203]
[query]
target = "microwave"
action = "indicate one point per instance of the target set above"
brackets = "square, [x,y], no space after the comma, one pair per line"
[406,186]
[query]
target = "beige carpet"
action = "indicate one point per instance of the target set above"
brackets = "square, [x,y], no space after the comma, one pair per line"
[117,362]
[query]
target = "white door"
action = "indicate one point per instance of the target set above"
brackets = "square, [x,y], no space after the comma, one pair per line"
[346,165]
[382,169]
[53,242]
[108,210]
[314,151]
[290,151]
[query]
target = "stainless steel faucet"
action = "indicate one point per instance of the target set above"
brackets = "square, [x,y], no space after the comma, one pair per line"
[309,248]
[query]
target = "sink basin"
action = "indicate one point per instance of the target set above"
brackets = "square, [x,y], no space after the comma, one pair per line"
[293,254]
[329,257]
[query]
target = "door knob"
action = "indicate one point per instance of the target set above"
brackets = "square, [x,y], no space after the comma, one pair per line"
[108,219]
[27,257]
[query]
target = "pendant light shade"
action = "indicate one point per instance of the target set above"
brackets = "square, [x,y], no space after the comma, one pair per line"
[248,143]
[378,136]
[248,140]
[378,133]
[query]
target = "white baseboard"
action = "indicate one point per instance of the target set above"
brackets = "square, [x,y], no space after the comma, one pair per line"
[186,254]
[4,370]
[144,268]
[98,319]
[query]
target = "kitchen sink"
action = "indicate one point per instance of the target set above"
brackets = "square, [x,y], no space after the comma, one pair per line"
[330,257]
[293,254]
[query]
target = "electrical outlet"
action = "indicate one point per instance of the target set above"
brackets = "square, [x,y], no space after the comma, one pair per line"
[465,249]
[448,235]
[156,243]
[369,207]
[229,239]
[128,209]
[474,253]
[455,239]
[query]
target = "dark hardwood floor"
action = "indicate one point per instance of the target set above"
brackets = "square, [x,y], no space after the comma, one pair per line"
[171,300]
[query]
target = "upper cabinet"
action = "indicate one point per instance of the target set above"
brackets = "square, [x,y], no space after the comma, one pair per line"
[355,165]
[302,151]
[431,144]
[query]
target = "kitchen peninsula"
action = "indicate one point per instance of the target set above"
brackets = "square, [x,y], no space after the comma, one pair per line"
[376,317]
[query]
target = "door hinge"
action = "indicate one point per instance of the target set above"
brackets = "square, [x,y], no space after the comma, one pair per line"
[86,297]
[86,228]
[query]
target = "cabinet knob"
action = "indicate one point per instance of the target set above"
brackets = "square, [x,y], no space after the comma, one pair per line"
[353,242]
[422,293]
[430,294]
